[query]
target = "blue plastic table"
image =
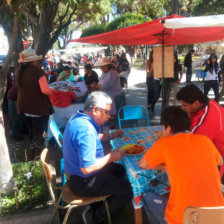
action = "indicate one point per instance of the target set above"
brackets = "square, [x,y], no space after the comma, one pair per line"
[141,180]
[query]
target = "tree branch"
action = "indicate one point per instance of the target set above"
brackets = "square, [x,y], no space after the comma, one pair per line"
[62,26]
[65,14]
[31,17]
[22,8]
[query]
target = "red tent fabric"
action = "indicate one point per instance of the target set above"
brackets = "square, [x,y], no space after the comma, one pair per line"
[150,33]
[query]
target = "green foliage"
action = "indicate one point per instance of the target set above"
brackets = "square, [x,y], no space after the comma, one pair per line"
[126,20]
[204,7]
[31,188]
[93,30]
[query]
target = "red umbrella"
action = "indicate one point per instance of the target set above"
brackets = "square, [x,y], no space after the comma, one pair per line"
[154,32]
[151,33]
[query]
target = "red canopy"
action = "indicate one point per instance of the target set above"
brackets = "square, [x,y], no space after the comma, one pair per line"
[150,33]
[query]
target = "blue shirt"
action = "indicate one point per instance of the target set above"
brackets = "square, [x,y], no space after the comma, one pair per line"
[81,144]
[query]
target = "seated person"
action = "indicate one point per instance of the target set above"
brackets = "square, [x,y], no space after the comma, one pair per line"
[90,172]
[207,116]
[66,75]
[90,77]
[191,162]
[53,76]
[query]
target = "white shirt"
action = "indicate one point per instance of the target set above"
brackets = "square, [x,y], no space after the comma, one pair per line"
[213,75]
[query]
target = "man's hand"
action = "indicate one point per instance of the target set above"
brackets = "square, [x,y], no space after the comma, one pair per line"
[116,155]
[118,133]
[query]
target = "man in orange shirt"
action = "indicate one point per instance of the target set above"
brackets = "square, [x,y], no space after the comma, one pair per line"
[191,162]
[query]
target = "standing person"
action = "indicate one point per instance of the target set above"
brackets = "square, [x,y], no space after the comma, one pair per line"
[188,64]
[150,82]
[110,83]
[212,78]
[33,90]
[192,164]
[207,116]
[124,70]
[175,81]
[15,118]
[90,172]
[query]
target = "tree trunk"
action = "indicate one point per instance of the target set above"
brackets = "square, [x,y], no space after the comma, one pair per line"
[6,174]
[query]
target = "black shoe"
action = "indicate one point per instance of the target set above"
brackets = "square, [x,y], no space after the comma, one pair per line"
[87,215]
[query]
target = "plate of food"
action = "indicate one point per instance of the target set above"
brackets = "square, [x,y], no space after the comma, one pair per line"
[133,149]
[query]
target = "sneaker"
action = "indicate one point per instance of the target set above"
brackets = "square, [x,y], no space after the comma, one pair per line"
[87,215]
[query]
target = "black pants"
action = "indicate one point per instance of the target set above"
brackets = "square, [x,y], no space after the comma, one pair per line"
[151,89]
[214,84]
[188,74]
[36,126]
[158,88]
[110,180]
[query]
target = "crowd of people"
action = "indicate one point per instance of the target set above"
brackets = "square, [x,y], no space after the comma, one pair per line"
[212,69]
[191,149]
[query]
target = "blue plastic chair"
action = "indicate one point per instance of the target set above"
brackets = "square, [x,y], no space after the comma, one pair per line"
[59,139]
[132,113]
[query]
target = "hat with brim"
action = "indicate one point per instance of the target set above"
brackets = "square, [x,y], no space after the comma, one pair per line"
[104,61]
[28,55]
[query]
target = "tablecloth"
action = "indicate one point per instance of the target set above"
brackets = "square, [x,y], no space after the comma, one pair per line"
[142,180]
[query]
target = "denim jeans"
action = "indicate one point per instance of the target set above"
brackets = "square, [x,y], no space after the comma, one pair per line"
[214,84]
[188,74]
[155,206]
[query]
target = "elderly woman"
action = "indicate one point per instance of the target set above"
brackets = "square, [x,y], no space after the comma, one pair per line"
[110,83]
[33,90]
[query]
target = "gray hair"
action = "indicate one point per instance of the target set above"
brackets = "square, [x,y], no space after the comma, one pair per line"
[97,99]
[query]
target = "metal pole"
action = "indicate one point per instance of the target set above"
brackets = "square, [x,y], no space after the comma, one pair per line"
[163,68]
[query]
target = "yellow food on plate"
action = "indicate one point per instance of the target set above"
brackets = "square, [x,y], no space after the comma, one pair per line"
[133,149]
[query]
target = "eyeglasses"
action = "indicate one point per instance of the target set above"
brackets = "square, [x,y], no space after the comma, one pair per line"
[107,112]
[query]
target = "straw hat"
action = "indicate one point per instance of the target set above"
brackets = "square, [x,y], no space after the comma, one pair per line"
[104,61]
[28,55]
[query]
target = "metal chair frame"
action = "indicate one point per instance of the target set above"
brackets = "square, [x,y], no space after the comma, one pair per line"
[59,139]
[72,200]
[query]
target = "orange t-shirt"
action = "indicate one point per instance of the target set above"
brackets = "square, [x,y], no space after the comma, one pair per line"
[191,162]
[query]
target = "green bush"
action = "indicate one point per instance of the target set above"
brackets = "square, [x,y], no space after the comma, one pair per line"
[126,20]
[94,30]
[31,188]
